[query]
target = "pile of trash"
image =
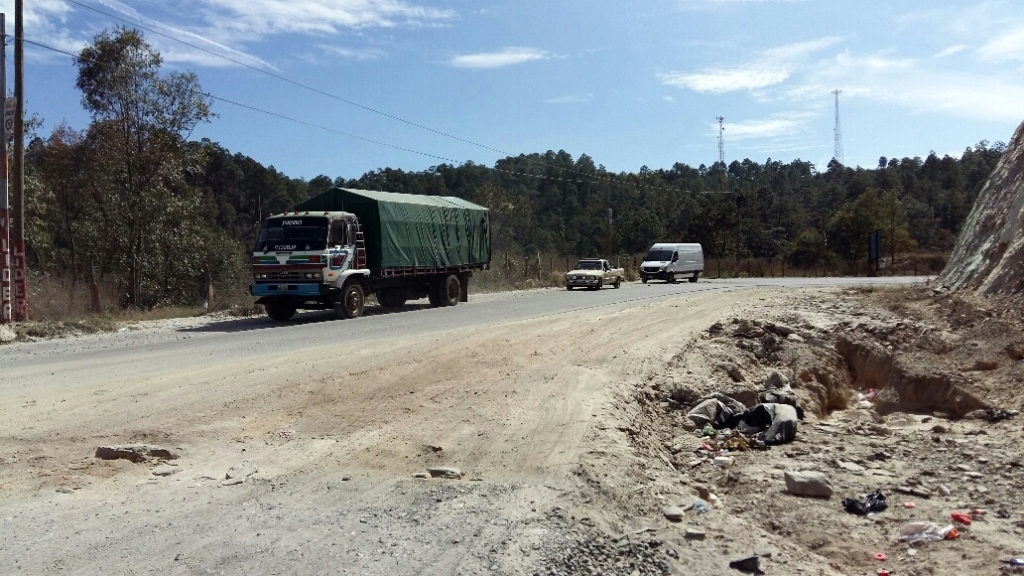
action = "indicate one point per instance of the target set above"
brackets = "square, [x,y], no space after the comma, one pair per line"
[726,426]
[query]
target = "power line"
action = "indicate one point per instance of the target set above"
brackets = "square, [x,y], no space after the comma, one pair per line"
[312,88]
[343,133]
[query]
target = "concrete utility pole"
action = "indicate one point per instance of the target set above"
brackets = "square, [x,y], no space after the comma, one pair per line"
[6,308]
[20,263]
[721,140]
[837,152]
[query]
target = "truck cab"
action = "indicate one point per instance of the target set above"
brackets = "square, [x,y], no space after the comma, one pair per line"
[303,260]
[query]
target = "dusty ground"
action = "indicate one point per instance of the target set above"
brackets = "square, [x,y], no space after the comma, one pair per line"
[566,434]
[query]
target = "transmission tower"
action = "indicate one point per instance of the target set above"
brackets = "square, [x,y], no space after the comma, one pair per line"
[837,154]
[721,140]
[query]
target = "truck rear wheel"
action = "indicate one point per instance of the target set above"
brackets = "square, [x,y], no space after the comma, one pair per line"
[449,291]
[353,299]
[694,277]
[280,311]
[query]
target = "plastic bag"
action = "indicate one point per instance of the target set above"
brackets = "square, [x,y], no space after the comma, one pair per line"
[919,532]
[874,502]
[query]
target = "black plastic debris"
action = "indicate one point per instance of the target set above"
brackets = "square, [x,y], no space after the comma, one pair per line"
[750,565]
[874,502]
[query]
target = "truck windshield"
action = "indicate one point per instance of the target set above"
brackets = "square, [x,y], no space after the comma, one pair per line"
[288,234]
[659,255]
[588,265]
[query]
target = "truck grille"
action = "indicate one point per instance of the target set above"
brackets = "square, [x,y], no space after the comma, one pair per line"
[287,275]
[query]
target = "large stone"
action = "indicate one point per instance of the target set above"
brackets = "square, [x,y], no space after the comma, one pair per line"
[134,452]
[811,484]
[780,329]
[673,513]
[445,472]
[165,470]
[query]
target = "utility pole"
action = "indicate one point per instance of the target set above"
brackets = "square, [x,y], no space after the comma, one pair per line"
[837,152]
[721,140]
[608,243]
[6,308]
[20,263]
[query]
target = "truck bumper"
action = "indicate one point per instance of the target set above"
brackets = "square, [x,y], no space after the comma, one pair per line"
[283,289]
[585,283]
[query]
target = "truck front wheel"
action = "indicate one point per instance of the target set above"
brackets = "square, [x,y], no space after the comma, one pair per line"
[280,311]
[352,301]
[450,290]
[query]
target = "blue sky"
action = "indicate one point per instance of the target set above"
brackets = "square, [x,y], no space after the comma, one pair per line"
[628,83]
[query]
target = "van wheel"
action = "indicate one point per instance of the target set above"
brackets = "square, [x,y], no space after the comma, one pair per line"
[671,278]
[353,299]
[694,277]
[449,291]
[280,311]
[618,282]
[643,279]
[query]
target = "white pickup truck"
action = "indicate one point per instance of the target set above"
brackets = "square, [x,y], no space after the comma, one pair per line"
[593,274]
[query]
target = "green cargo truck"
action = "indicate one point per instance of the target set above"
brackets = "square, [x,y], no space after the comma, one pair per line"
[336,249]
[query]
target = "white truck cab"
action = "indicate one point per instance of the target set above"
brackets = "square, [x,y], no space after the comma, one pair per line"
[670,262]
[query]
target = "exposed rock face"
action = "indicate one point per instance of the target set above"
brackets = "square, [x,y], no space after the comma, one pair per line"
[989,255]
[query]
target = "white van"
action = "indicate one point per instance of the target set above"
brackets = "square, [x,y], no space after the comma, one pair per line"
[669,262]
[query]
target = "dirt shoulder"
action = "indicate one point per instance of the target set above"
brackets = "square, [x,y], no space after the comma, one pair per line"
[564,430]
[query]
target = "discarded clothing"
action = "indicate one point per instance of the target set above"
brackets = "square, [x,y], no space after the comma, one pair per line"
[780,420]
[874,502]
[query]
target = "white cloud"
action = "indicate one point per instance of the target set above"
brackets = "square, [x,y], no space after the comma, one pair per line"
[951,50]
[570,99]
[506,57]
[771,67]
[363,54]
[668,98]
[317,16]
[788,124]
[919,86]
[1009,46]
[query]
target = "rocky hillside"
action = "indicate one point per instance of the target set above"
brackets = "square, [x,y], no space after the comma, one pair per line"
[989,255]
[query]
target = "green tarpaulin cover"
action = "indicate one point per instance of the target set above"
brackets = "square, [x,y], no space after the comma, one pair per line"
[406,230]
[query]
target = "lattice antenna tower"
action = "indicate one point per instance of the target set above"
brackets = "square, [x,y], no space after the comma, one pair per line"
[838,152]
[721,140]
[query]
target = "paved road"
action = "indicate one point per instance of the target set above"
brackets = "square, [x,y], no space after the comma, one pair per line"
[153,353]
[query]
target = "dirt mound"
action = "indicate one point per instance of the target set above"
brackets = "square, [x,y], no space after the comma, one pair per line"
[989,255]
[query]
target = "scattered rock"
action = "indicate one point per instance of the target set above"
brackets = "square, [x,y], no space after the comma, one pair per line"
[165,470]
[240,471]
[64,490]
[134,452]
[919,492]
[673,513]
[694,534]
[702,492]
[944,490]
[795,338]
[445,472]
[231,482]
[985,365]
[1015,350]
[780,329]
[776,380]
[685,395]
[811,484]
[939,429]
[434,448]
[421,475]
[849,466]
[733,371]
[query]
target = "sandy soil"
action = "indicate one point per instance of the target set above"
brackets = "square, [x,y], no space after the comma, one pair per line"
[562,428]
